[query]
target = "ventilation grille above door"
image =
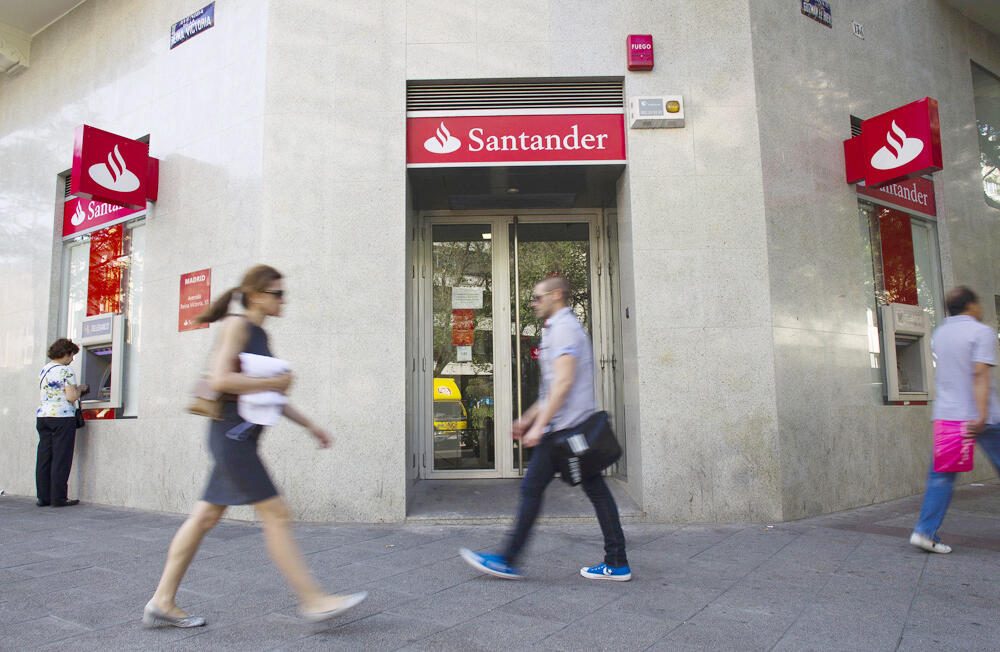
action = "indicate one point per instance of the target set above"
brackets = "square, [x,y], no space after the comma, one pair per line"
[520,94]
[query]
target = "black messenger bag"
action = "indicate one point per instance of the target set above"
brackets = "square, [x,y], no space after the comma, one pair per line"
[586,449]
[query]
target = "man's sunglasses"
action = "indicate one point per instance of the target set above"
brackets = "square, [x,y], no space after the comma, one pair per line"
[535,298]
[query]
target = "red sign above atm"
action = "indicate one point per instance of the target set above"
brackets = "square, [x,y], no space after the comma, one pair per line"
[112,169]
[900,144]
[914,194]
[480,140]
[85,215]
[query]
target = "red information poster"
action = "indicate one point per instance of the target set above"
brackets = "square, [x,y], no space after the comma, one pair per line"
[463,322]
[196,294]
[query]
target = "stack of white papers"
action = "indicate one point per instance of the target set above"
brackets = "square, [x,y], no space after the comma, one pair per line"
[262,408]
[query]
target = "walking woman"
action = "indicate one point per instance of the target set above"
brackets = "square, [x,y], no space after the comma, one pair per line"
[55,421]
[239,477]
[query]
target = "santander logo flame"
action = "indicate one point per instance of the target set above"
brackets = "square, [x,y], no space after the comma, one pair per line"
[442,142]
[114,175]
[78,216]
[903,150]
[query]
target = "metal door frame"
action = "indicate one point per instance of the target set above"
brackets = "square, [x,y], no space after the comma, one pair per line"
[601,313]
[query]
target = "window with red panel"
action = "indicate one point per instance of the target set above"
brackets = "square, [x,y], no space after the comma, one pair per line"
[105,288]
[899,269]
[104,279]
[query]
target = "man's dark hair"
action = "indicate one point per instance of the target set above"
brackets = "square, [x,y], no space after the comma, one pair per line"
[556,282]
[61,348]
[958,300]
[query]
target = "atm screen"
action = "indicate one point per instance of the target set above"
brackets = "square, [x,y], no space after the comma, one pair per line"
[104,350]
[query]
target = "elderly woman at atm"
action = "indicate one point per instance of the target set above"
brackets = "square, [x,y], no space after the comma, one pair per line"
[239,477]
[55,421]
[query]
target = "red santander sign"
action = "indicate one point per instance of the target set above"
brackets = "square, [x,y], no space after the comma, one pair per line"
[900,144]
[85,215]
[549,139]
[112,169]
[913,194]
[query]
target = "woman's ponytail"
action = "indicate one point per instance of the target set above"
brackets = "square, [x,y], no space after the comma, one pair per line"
[218,309]
[256,279]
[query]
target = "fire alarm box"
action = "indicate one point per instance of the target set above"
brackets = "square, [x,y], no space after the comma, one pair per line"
[102,343]
[639,49]
[657,112]
[906,343]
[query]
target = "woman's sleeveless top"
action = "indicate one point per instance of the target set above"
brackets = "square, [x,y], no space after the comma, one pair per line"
[257,342]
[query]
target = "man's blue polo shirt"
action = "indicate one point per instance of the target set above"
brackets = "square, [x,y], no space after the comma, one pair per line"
[564,335]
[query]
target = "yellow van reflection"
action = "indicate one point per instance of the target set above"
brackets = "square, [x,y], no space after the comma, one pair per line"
[449,413]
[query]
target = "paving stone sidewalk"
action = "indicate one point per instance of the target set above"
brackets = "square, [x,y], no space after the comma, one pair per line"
[77,578]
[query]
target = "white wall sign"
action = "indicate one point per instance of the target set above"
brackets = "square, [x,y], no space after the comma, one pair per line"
[463,354]
[467,298]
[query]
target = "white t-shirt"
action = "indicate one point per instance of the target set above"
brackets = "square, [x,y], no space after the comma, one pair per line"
[959,343]
[52,387]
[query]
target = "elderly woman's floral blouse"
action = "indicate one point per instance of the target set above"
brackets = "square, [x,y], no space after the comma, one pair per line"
[52,383]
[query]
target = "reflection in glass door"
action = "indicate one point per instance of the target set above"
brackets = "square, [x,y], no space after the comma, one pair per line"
[462,305]
[477,270]
[538,250]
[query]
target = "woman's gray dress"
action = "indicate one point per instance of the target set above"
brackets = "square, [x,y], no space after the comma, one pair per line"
[239,477]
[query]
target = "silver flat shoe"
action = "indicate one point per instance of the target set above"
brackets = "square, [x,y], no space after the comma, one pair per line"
[350,601]
[152,616]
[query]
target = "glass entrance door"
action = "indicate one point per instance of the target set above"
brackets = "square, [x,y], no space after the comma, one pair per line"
[464,436]
[538,250]
[479,338]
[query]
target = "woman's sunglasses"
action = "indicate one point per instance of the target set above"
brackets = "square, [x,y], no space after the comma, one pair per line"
[278,294]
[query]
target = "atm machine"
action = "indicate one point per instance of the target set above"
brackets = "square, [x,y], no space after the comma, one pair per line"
[906,341]
[102,344]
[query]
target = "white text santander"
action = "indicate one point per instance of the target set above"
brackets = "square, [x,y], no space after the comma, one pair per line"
[534,142]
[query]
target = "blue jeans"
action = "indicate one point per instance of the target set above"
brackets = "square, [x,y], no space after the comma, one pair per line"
[541,470]
[941,485]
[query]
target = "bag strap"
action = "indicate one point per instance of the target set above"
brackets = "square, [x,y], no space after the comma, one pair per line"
[46,375]
[208,362]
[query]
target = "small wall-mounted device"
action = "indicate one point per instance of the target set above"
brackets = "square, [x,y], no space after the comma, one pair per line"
[102,341]
[906,342]
[639,48]
[656,112]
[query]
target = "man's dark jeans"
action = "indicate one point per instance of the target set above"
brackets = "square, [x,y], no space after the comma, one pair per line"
[541,470]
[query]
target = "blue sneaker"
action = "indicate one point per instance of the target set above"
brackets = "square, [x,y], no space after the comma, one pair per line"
[490,564]
[605,572]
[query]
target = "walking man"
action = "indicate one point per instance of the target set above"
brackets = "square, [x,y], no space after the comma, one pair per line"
[964,390]
[566,398]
